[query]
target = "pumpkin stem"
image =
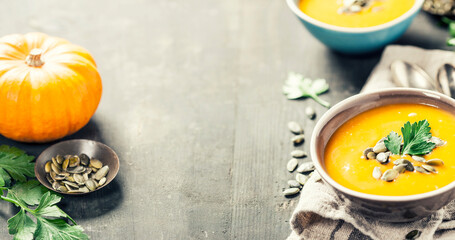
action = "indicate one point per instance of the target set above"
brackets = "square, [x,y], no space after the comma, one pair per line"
[34,59]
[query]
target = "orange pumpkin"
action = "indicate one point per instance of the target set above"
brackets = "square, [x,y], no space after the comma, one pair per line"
[49,88]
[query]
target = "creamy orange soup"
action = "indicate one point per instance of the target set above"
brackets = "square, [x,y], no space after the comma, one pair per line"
[379,12]
[345,163]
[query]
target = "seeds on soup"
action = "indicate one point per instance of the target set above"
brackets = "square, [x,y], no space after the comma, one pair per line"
[418,138]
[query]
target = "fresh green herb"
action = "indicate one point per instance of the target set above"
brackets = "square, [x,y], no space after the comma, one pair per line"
[451,26]
[33,199]
[14,163]
[393,142]
[451,42]
[416,139]
[297,86]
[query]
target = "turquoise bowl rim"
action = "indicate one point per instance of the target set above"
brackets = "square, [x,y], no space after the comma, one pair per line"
[295,9]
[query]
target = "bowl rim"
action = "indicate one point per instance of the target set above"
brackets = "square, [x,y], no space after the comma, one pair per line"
[292,4]
[342,106]
[70,141]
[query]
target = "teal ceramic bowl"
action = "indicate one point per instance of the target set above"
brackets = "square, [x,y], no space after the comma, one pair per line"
[356,40]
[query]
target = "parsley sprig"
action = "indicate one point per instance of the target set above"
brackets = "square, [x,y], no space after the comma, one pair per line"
[298,86]
[34,200]
[416,139]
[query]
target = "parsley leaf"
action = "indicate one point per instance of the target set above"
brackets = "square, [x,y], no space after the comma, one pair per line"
[393,142]
[58,229]
[21,226]
[28,193]
[15,163]
[50,219]
[416,138]
[297,86]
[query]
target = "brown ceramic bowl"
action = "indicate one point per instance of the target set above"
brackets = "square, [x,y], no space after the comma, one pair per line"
[385,208]
[75,147]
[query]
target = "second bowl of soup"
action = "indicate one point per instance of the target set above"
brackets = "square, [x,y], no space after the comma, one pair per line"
[356,27]
[389,152]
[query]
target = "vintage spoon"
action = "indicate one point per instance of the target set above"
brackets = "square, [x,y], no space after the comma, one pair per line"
[445,79]
[406,74]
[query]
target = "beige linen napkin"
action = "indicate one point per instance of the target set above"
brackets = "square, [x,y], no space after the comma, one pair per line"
[322,214]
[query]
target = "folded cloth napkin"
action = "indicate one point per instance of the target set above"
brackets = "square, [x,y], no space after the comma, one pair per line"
[322,214]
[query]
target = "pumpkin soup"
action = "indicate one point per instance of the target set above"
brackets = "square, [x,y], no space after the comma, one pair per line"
[356,158]
[355,13]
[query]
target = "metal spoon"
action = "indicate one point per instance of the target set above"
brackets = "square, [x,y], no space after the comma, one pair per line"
[406,74]
[445,79]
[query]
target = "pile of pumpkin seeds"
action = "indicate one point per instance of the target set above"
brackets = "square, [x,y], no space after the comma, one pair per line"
[75,173]
[381,154]
[304,170]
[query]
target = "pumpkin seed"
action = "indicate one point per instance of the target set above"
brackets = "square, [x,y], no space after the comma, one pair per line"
[91,185]
[55,185]
[59,177]
[59,159]
[88,170]
[62,189]
[78,169]
[389,175]
[435,162]
[84,159]
[55,168]
[298,154]
[49,179]
[377,172]
[421,169]
[103,181]
[54,161]
[47,167]
[85,175]
[418,158]
[382,157]
[400,168]
[437,141]
[309,111]
[302,179]
[413,234]
[79,179]
[429,168]
[94,169]
[95,163]
[74,161]
[371,155]
[71,184]
[53,174]
[367,151]
[291,191]
[102,172]
[292,164]
[409,166]
[316,177]
[295,127]
[292,183]
[70,178]
[380,147]
[305,167]
[80,190]
[65,164]
[299,139]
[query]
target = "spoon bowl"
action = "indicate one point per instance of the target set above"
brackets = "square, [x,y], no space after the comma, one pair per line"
[445,79]
[405,74]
